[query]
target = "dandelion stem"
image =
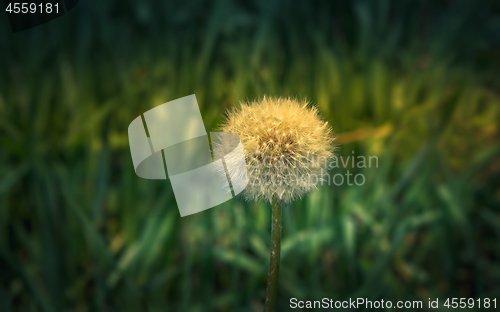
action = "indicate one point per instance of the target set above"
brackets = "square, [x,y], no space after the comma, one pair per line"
[274,264]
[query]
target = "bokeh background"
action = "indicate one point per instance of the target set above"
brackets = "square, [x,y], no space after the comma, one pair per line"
[415,83]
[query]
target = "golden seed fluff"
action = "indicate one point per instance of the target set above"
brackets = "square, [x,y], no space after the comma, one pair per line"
[286,143]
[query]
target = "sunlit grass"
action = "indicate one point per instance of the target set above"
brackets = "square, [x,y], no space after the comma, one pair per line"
[80,231]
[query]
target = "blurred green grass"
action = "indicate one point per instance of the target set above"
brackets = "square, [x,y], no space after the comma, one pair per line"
[414,83]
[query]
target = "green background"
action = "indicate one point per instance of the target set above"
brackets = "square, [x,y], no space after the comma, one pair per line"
[415,83]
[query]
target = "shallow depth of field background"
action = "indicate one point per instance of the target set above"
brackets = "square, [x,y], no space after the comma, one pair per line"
[415,83]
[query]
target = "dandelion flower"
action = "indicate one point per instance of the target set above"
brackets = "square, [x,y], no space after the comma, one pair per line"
[287,150]
[287,147]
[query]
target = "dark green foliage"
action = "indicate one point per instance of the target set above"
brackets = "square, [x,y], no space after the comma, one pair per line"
[79,231]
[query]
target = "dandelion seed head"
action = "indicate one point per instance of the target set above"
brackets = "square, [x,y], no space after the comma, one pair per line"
[283,139]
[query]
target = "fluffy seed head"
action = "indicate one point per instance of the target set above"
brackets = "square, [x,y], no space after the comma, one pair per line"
[287,146]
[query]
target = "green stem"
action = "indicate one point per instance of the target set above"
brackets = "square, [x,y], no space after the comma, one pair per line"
[274,264]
